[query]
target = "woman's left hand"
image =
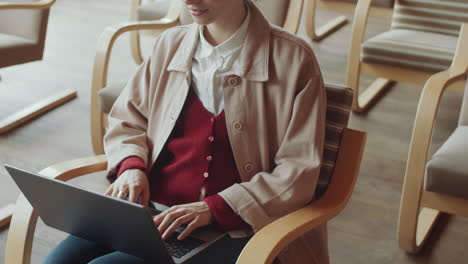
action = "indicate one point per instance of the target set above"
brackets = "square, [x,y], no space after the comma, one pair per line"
[195,214]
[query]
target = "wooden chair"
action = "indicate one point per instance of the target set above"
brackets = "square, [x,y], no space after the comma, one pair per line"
[421,42]
[330,27]
[444,177]
[23,27]
[341,161]
[103,95]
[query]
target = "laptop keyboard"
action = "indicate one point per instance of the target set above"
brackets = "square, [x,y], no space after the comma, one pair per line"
[178,248]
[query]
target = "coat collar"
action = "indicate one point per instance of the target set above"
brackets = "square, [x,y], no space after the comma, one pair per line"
[254,56]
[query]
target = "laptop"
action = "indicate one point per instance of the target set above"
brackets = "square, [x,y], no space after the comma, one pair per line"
[111,222]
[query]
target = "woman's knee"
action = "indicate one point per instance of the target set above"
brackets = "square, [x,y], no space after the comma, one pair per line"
[75,250]
[118,257]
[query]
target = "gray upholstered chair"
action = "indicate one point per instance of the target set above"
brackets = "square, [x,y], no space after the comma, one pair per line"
[23,27]
[441,184]
[280,12]
[421,42]
[340,167]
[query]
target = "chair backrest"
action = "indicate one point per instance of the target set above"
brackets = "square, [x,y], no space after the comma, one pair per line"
[29,27]
[29,24]
[439,16]
[463,121]
[339,102]
[275,11]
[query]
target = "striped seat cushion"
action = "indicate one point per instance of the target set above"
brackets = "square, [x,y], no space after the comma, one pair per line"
[438,16]
[339,101]
[418,50]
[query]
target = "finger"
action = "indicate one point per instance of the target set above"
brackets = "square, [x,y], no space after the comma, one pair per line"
[115,192]
[133,195]
[168,220]
[158,218]
[189,229]
[109,190]
[145,197]
[177,223]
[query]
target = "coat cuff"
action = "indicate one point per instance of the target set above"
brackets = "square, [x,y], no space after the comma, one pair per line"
[225,217]
[132,162]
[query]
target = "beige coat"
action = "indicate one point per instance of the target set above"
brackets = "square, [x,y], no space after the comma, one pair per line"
[274,108]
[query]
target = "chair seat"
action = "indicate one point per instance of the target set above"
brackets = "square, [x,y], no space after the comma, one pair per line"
[447,171]
[153,11]
[109,94]
[426,51]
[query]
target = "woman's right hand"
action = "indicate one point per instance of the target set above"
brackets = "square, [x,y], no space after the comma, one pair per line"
[133,183]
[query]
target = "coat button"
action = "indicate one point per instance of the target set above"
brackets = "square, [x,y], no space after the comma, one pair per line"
[210,138]
[205,174]
[209,158]
[238,125]
[233,81]
[248,167]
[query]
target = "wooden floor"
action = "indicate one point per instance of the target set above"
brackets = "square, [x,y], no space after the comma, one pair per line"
[365,232]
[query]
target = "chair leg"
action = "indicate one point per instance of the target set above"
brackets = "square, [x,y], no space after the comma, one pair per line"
[5,215]
[415,237]
[325,30]
[362,101]
[35,110]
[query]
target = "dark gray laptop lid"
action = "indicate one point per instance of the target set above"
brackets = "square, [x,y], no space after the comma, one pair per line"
[111,222]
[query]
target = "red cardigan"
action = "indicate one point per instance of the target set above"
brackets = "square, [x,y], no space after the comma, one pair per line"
[198,153]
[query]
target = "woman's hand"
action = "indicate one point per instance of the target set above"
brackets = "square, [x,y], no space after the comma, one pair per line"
[133,183]
[195,214]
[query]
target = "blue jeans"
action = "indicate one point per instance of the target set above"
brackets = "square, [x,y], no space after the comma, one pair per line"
[75,250]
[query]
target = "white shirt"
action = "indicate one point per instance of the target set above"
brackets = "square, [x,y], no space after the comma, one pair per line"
[210,64]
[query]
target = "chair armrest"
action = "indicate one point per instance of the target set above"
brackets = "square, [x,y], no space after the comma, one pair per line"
[41,4]
[293,17]
[422,135]
[23,223]
[267,243]
[358,31]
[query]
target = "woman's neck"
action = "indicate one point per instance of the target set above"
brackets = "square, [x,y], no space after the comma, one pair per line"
[218,32]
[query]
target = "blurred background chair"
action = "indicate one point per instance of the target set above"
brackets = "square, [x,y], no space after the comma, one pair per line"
[420,42]
[441,184]
[23,27]
[285,13]
[340,167]
[329,27]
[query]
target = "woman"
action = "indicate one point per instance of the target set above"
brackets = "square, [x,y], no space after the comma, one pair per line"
[224,122]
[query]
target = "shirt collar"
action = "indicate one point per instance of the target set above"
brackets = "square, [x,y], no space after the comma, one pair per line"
[228,46]
[255,52]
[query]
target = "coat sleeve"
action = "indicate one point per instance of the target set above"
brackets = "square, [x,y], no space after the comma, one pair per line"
[291,183]
[128,121]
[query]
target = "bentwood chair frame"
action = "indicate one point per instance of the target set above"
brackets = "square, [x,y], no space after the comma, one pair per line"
[38,108]
[111,34]
[419,208]
[336,23]
[386,75]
